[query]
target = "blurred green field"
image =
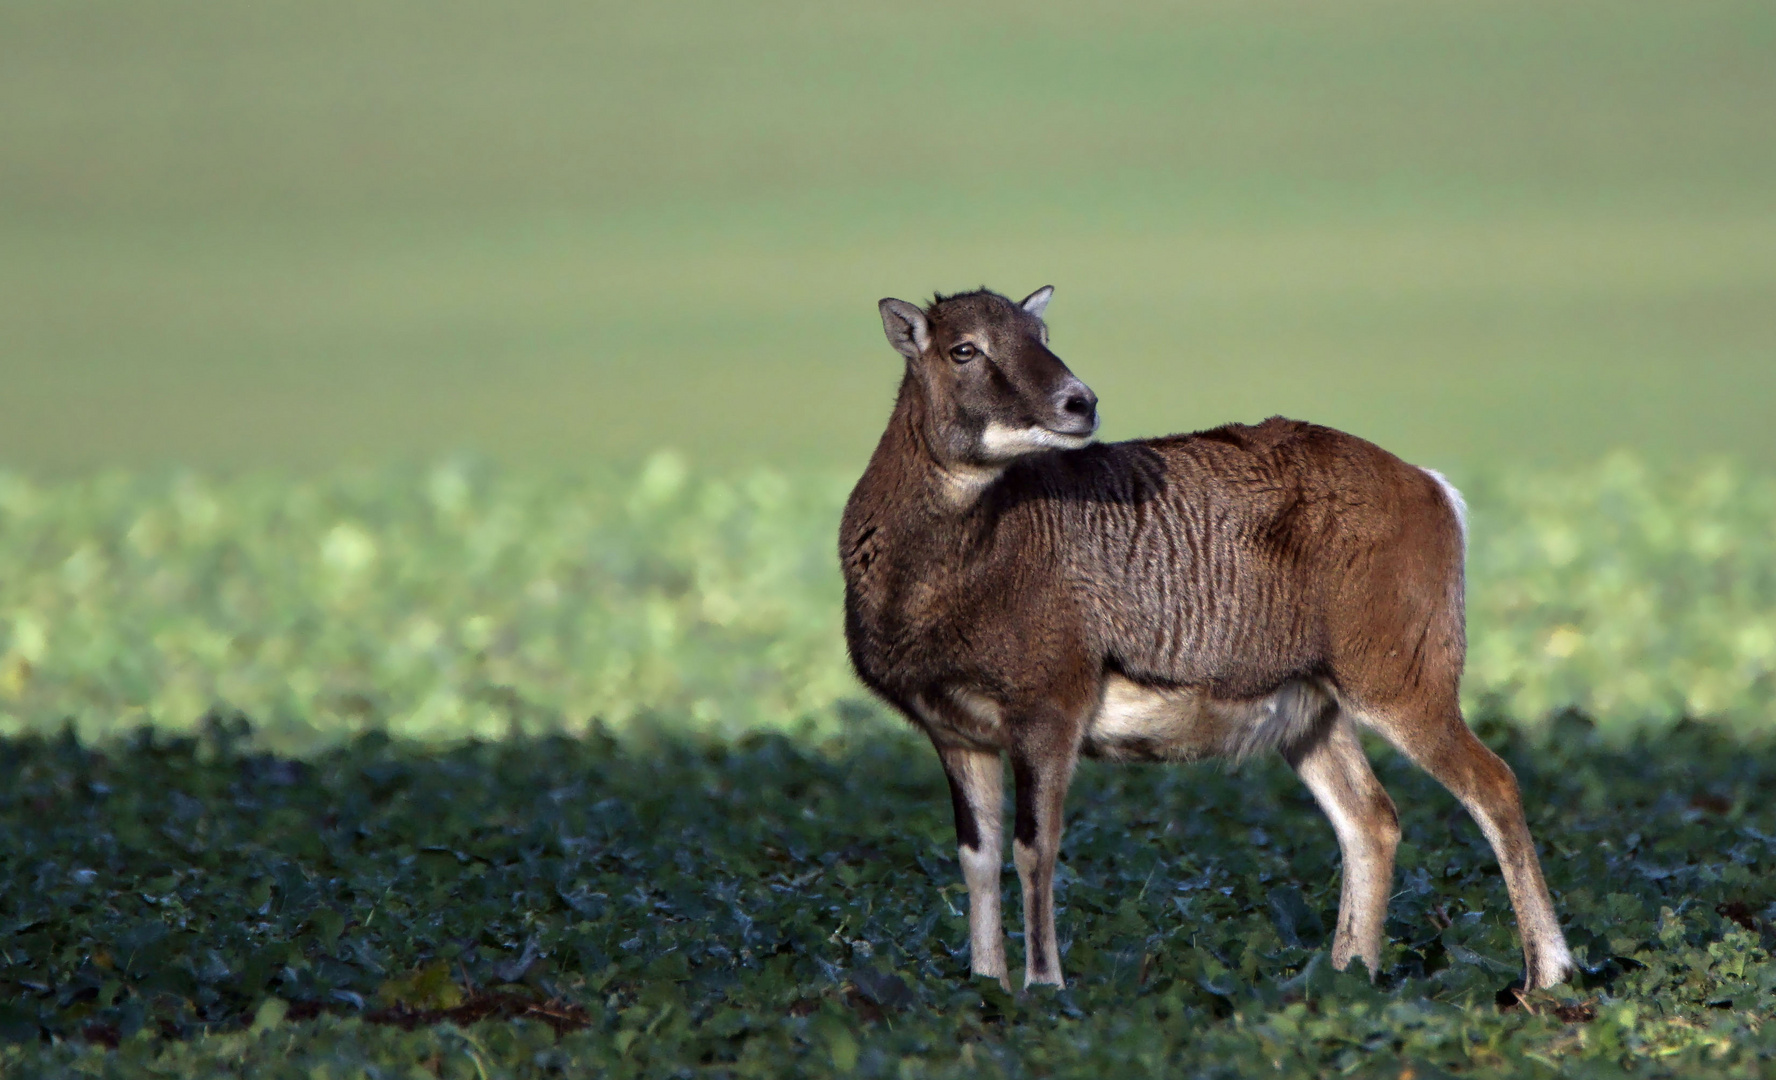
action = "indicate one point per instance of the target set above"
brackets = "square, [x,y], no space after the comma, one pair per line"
[311,234]
[468,600]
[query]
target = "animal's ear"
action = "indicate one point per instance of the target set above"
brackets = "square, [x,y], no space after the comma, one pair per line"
[1037,302]
[906,326]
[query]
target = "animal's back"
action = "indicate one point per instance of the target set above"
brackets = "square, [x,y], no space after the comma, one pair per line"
[1243,556]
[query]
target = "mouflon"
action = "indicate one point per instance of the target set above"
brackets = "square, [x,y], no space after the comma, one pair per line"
[1015,589]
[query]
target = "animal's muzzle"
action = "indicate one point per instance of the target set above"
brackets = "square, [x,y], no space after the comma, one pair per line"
[1076,409]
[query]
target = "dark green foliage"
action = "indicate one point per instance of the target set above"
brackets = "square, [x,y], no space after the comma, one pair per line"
[772,907]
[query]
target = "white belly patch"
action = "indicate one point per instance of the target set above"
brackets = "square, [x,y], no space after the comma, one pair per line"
[1139,722]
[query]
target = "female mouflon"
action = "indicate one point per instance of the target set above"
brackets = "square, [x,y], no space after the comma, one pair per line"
[1013,588]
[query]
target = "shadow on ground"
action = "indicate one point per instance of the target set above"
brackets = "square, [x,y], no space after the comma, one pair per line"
[661,902]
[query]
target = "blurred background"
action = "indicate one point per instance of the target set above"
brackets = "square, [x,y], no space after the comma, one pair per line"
[300,235]
[450,367]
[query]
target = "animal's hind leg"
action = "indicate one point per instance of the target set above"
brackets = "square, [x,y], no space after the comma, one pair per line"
[1331,763]
[1437,739]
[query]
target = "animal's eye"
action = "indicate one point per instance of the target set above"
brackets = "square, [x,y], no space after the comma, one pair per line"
[963,353]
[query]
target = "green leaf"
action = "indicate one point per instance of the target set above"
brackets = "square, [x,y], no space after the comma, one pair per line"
[426,987]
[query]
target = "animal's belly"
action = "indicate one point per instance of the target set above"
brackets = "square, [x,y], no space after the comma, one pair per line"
[1139,722]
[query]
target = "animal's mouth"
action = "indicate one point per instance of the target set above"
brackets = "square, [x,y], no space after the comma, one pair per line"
[1002,442]
[1081,430]
[1068,438]
[1063,438]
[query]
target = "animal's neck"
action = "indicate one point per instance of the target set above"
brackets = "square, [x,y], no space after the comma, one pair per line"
[913,473]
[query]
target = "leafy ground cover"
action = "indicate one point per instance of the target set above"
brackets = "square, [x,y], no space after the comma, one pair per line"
[470,601]
[659,905]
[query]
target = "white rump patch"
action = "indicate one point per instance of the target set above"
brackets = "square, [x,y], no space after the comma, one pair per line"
[1456,502]
[1002,442]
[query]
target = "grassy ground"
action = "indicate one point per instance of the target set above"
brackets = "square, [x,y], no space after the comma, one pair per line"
[785,907]
[302,233]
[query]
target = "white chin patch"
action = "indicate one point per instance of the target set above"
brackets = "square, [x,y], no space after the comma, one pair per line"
[1002,442]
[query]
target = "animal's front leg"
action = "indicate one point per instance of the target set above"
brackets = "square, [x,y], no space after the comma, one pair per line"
[1042,774]
[976,790]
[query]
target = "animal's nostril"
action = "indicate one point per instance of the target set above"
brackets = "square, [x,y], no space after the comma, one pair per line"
[1078,405]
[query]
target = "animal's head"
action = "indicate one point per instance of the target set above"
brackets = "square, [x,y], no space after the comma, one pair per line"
[993,390]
